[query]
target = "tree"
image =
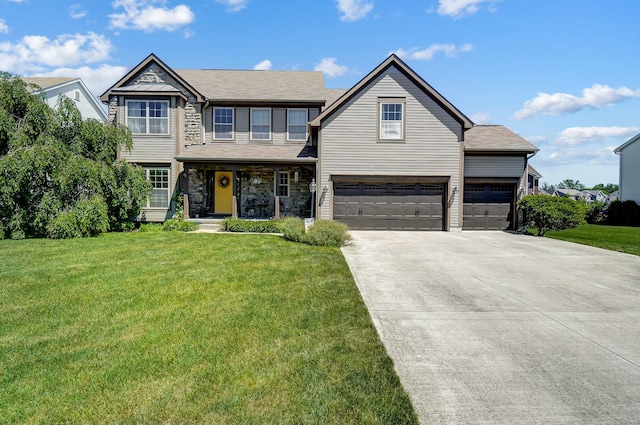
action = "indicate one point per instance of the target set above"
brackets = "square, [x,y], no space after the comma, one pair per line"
[544,212]
[59,175]
[606,188]
[549,188]
[570,184]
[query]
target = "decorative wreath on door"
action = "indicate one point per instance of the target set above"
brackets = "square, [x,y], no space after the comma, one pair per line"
[223,181]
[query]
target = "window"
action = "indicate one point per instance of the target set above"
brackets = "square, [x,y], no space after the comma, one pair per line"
[391,121]
[282,181]
[159,178]
[148,117]
[223,123]
[297,125]
[260,124]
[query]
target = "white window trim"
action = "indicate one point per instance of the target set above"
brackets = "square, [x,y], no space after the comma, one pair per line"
[277,184]
[146,174]
[147,126]
[392,101]
[251,124]
[233,123]
[306,120]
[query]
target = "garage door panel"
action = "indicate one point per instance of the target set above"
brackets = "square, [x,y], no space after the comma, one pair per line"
[487,206]
[390,206]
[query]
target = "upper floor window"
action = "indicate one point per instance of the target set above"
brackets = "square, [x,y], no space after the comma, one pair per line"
[159,178]
[148,116]
[223,123]
[391,120]
[260,124]
[297,124]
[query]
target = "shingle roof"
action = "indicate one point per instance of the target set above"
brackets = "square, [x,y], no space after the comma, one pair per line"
[46,82]
[231,152]
[487,138]
[277,86]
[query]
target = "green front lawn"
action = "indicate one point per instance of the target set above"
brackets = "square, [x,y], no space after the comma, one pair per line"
[188,328]
[614,238]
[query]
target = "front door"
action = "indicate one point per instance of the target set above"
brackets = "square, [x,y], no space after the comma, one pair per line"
[223,192]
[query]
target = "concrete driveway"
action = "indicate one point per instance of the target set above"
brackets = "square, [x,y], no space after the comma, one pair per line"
[497,328]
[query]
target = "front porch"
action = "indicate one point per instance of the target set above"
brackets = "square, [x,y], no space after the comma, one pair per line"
[252,191]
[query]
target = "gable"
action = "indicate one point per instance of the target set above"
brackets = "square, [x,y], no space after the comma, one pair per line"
[152,76]
[628,143]
[394,62]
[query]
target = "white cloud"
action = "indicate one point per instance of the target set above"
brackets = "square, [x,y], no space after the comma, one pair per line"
[574,136]
[460,8]
[77,12]
[265,65]
[596,96]
[18,1]
[481,118]
[234,5]
[4,28]
[34,53]
[590,156]
[98,80]
[537,140]
[449,50]
[330,67]
[353,10]
[142,15]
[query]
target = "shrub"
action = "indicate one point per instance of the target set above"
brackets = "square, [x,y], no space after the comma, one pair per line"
[594,213]
[250,226]
[64,226]
[623,213]
[327,233]
[151,227]
[293,229]
[178,225]
[544,212]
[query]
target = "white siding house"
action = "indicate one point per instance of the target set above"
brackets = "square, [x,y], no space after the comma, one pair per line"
[73,88]
[630,169]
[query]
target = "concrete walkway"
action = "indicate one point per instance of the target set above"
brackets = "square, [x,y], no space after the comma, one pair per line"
[497,328]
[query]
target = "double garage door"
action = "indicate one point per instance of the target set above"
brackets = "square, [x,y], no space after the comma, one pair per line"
[488,206]
[389,206]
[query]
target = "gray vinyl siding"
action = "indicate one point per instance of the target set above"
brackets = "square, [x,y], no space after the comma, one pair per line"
[494,166]
[156,150]
[630,173]
[431,147]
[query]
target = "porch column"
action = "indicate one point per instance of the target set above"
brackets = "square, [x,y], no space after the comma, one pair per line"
[276,198]
[234,204]
[185,190]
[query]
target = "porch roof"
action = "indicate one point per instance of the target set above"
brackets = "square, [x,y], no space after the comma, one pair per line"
[249,153]
[495,138]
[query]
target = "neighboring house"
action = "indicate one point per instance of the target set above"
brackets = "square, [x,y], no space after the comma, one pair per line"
[533,180]
[630,169]
[613,196]
[389,153]
[574,194]
[595,196]
[74,89]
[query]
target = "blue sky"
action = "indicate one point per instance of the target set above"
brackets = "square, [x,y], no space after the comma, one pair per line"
[562,74]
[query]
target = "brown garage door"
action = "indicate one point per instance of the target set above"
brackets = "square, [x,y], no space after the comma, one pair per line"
[389,206]
[488,206]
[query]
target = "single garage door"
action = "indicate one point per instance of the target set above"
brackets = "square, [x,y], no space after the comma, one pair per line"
[389,206]
[488,206]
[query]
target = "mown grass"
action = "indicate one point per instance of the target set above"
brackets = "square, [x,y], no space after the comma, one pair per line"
[188,328]
[614,238]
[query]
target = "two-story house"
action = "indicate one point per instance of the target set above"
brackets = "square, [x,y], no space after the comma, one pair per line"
[389,153]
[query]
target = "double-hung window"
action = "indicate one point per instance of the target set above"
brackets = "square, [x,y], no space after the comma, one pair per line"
[223,123]
[391,120]
[159,178]
[297,124]
[260,124]
[282,183]
[148,116]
